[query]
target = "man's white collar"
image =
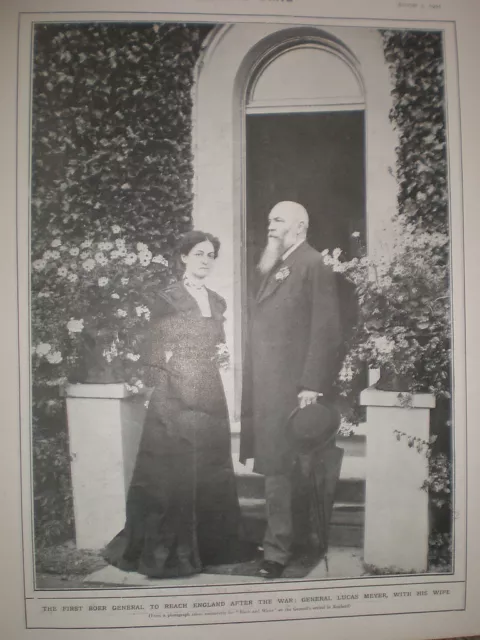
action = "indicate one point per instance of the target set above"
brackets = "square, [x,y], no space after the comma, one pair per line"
[292,249]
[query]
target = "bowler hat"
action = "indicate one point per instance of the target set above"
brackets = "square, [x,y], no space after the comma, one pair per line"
[315,424]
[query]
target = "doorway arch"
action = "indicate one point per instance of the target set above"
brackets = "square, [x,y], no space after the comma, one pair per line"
[228,75]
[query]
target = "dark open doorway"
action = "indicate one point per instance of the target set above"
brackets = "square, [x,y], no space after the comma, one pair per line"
[317,159]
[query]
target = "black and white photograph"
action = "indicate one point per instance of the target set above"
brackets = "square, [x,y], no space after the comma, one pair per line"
[241,365]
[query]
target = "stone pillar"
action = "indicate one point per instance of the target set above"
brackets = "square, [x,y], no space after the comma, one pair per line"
[104,427]
[396,507]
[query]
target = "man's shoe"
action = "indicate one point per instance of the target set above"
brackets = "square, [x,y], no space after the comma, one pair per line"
[270,570]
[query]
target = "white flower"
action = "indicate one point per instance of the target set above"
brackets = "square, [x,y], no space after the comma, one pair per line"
[346,373]
[336,253]
[120,242]
[54,358]
[105,246]
[122,251]
[75,326]
[145,258]
[74,251]
[325,252]
[55,243]
[115,296]
[56,382]
[84,255]
[38,265]
[160,260]
[139,383]
[115,228]
[282,274]
[110,354]
[115,254]
[89,264]
[141,247]
[62,272]
[101,258]
[143,310]
[124,280]
[102,282]
[356,234]
[55,255]
[383,345]
[132,388]
[339,267]
[120,313]
[399,270]
[130,258]
[47,254]
[85,244]
[43,348]
[44,294]
[72,277]
[132,356]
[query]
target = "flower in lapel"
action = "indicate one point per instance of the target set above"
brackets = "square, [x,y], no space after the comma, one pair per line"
[282,274]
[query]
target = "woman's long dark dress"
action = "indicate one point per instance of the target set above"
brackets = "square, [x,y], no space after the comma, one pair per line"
[182,505]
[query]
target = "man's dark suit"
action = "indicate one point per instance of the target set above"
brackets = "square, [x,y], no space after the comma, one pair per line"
[294,344]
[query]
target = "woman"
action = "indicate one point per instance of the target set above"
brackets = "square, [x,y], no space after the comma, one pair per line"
[182,505]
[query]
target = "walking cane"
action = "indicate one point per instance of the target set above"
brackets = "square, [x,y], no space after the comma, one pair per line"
[320,502]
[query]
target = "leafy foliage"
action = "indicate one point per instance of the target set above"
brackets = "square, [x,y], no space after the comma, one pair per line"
[112,129]
[403,326]
[111,147]
[92,309]
[416,63]
[53,502]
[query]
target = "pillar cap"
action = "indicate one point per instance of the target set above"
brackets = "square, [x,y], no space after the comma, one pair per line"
[372,397]
[117,390]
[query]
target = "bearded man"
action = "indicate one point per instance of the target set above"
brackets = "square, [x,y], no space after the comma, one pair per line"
[292,358]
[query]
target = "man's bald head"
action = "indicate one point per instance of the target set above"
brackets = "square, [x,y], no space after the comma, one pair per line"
[293,211]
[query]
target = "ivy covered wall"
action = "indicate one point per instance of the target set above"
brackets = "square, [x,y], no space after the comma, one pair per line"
[416,63]
[111,145]
[112,111]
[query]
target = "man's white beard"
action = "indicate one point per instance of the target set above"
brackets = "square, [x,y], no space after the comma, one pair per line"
[271,254]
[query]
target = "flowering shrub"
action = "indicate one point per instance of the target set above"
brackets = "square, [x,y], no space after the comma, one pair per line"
[111,146]
[91,303]
[53,503]
[403,325]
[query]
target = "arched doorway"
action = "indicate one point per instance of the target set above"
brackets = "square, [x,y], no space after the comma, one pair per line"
[231,92]
[305,141]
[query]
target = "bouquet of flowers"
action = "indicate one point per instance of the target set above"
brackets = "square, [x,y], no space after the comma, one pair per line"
[91,303]
[403,322]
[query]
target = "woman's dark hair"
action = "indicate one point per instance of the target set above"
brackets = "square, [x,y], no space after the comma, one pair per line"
[192,238]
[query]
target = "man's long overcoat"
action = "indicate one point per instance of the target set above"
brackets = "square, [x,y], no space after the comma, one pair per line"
[294,344]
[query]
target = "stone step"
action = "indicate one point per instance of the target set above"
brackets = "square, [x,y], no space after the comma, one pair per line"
[350,487]
[346,525]
[354,445]
[343,512]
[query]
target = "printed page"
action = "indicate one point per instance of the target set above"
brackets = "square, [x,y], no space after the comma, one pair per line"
[240,282]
